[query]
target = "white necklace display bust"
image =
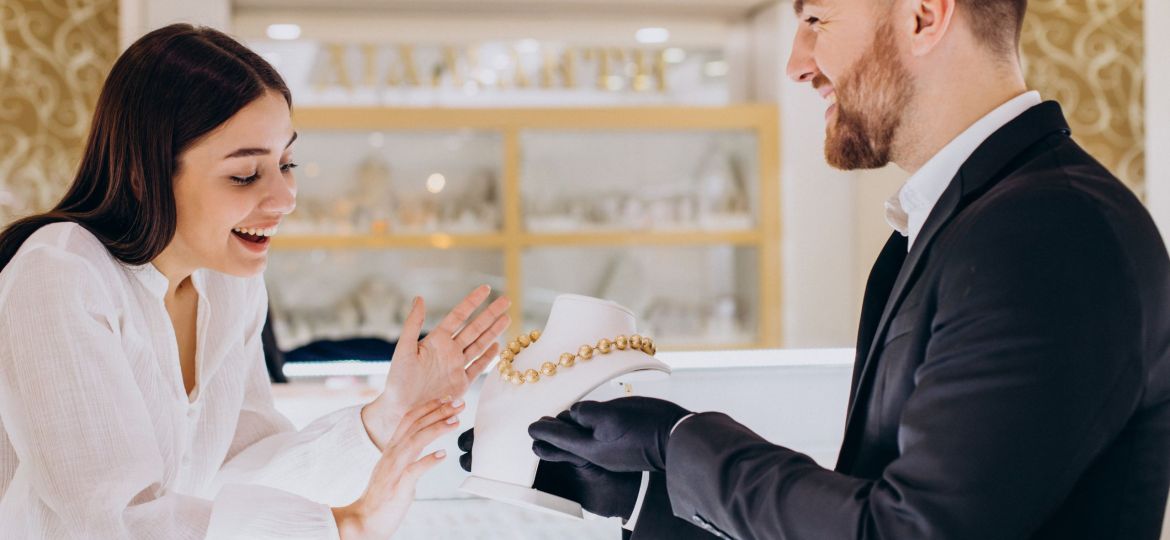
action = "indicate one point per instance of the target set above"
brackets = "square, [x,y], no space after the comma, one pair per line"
[503,465]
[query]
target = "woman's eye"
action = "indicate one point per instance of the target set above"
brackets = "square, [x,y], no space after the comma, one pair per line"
[245,180]
[812,21]
[286,167]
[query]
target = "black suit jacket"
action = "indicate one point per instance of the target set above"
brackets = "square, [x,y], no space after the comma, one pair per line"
[1012,376]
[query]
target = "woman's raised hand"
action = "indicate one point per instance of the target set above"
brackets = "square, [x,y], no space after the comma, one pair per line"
[381,508]
[442,365]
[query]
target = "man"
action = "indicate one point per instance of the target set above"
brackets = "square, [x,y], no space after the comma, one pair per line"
[1013,361]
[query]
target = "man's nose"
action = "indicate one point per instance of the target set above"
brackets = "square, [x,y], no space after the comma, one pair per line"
[802,66]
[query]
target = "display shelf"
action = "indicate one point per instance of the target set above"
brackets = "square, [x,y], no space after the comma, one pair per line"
[447,241]
[750,116]
[337,294]
[388,241]
[684,295]
[511,132]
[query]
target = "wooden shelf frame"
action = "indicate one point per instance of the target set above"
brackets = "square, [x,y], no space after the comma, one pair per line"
[498,240]
[513,240]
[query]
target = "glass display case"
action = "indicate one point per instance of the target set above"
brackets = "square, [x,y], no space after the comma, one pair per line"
[375,182]
[687,297]
[575,181]
[670,211]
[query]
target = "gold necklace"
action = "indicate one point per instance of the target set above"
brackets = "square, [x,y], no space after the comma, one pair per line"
[566,360]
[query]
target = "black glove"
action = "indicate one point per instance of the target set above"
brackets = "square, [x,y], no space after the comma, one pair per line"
[623,435]
[598,491]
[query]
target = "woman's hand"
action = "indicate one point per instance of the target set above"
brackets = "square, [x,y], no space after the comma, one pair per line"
[441,366]
[381,508]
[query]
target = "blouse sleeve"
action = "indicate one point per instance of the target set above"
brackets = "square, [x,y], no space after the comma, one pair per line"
[78,423]
[329,461]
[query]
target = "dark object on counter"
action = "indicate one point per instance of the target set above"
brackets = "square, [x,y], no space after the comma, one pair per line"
[357,348]
[273,356]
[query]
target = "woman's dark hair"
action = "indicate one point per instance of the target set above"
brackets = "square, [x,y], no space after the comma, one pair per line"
[168,90]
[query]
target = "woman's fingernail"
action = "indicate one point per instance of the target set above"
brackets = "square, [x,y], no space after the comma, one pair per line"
[457,403]
[453,420]
[441,454]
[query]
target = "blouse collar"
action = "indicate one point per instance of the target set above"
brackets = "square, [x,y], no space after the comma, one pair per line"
[155,282]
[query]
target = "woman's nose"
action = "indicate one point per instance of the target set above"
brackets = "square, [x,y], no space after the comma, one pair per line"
[282,195]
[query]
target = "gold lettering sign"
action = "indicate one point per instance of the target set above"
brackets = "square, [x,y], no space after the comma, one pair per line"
[404,72]
[337,72]
[399,66]
[564,69]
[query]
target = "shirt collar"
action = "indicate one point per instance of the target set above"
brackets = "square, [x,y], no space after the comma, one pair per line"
[908,209]
[154,281]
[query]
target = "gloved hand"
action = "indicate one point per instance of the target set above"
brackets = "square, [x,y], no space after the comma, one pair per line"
[623,435]
[598,491]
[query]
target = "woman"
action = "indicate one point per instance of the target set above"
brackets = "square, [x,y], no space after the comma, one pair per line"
[133,396]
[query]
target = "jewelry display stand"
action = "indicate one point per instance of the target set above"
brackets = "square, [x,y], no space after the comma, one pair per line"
[503,465]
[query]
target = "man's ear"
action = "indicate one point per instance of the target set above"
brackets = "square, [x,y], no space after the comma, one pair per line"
[932,21]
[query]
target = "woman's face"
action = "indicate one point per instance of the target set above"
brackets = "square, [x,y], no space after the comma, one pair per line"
[232,189]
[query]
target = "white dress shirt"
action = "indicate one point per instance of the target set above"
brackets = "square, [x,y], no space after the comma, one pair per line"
[907,210]
[98,437]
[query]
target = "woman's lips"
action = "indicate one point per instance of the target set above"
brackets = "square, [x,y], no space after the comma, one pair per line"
[254,243]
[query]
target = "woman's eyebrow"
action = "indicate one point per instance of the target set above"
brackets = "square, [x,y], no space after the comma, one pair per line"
[245,152]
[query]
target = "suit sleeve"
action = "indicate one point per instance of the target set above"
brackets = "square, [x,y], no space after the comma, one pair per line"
[658,521]
[1032,367]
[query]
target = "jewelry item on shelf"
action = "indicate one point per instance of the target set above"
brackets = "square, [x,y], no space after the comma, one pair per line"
[567,360]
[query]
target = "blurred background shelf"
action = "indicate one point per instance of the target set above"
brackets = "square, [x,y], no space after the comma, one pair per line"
[670,211]
[387,241]
[448,241]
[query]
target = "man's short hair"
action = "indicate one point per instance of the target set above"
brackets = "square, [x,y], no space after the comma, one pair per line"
[996,23]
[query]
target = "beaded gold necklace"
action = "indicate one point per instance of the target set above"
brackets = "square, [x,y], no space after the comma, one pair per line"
[566,360]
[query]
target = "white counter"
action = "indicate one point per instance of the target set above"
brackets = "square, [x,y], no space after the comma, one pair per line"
[796,398]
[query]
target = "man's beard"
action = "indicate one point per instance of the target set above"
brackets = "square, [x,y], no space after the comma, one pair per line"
[871,100]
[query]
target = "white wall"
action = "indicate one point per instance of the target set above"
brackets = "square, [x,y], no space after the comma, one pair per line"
[1158,113]
[137,17]
[1158,129]
[817,206]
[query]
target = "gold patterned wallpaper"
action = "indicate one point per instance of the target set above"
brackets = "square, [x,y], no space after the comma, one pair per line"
[1088,55]
[54,55]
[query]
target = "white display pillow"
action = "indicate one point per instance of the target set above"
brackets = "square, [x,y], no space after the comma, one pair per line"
[503,465]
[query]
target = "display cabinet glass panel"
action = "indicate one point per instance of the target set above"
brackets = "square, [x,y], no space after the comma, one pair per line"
[345,294]
[691,297]
[673,212]
[376,182]
[604,181]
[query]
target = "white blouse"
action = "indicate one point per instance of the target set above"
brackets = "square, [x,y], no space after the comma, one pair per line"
[98,438]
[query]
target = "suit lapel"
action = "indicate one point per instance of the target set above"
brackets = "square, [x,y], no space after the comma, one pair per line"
[877,293]
[993,160]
